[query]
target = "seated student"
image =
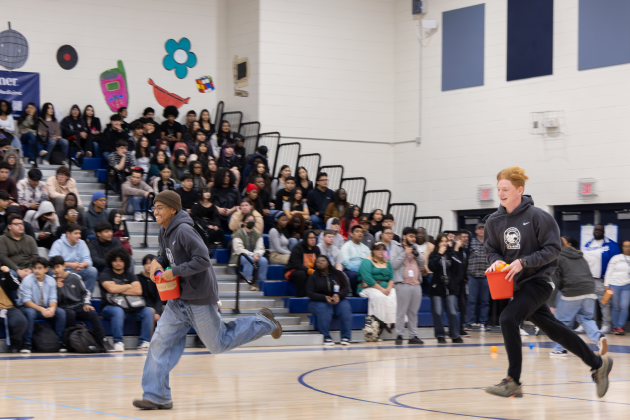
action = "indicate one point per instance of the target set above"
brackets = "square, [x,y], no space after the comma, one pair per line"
[388,221]
[225,196]
[170,129]
[32,192]
[119,281]
[327,288]
[5,204]
[122,162]
[162,145]
[73,128]
[149,289]
[114,132]
[105,242]
[225,135]
[296,205]
[260,169]
[296,227]
[248,241]
[93,128]
[245,209]
[264,196]
[59,186]
[333,224]
[376,219]
[204,122]
[163,182]
[206,218]
[159,158]
[302,263]
[76,255]
[279,183]
[196,170]
[187,193]
[38,300]
[71,216]
[251,195]
[319,199]
[74,299]
[121,231]
[209,172]
[71,203]
[368,238]
[180,165]
[337,208]
[228,159]
[135,135]
[50,132]
[97,212]
[15,321]
[17,171]
[17,249]
[349,220]
[7,183]
[135,194]
[280,245]
[191,119]
[305,184]
[329,250]
[447,274]
[387,237]
[283,195]
[143,154]
[353,253]
[191,138]
[27,130]
[376,282]
[45,223]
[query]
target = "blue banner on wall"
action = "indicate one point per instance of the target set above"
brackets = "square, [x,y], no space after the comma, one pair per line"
[19,88]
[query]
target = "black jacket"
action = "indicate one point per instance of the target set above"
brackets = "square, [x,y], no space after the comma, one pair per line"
[150,294]
[319,285]
[110,137]
[73,293]
[573,276]
[296,260]
[225,197]
[71,127]
[205,216]
[451,263]
[528,232]
[188,197]
[9,284]
[182,248]
[318,201]
[98,250]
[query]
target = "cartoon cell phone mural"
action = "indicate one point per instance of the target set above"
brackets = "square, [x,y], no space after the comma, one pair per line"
[114,86]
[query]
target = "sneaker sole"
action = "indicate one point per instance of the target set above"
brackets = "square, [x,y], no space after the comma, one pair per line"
[345,343]
[517,395]
[559,355]
[150,406]
[610,366]
[277,333]
[604,346]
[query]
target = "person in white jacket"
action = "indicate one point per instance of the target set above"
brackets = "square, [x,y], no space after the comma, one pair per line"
[617,279]
[44,231]
[249,242]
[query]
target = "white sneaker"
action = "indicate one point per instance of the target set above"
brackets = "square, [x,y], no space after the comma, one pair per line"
[45,162]
[606,329]
[559,353]
[579,329]
[43,153]
[536,330]
[475,325]
[602,344]
[523,332]
[329,342]
[144,345]
[63,350]
[119,346]
[345,342]
[482,327]
[137,217]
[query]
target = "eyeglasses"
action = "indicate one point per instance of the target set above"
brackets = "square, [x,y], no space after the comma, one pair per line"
[17,224]
[157,208]
[72,213]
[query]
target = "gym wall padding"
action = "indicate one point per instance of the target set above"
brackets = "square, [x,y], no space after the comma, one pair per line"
[463,47]
[604,33]
[529,39]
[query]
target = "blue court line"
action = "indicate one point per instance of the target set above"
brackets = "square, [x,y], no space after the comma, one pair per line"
[72,408]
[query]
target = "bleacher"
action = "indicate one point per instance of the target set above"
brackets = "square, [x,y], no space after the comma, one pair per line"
[276,293]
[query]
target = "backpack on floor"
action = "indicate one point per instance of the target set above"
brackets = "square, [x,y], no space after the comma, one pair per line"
[372,329]
[56,157]
[81,339]
[45,340]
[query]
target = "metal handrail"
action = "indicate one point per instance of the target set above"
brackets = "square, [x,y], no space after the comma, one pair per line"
[145,244]
[241,276]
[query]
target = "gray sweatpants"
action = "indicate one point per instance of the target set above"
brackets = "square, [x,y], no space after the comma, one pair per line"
[606,315]
[408,300]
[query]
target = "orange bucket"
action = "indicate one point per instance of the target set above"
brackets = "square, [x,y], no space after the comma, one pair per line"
[500,288]
[168,289]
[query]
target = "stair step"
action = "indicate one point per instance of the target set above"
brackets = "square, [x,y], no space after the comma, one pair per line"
[230,303]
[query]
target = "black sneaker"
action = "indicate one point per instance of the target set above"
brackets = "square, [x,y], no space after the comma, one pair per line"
[399,340]
[148,405]
[108,347]
[458,340]
[464,333]
[441,340]
[415,340]
[26,349]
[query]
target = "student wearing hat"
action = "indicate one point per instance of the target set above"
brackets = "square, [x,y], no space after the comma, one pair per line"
[478,290]
[96,212]
[368,238]
[197,307]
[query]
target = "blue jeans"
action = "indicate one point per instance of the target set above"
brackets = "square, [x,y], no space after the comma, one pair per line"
[30,141]
[88,275]
[583,310]
[325,312]
[169,341]
[438,304]
[51,143]
[478,292]
[248,269]
[135,204]
[620,305]
[117,316]
[318,221]
[31,315]
[292,243]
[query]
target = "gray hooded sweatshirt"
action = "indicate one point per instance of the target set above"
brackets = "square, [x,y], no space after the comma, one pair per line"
[573,276]
[528,232]
[184,251]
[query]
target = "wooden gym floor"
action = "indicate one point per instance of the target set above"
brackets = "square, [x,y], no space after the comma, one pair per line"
[363,381]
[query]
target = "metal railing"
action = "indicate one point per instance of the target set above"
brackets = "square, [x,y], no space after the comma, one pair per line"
[147,212]
[217,119]
[376,199]
[432,224]
[234,118]
[241,276]
[271,140]
[288,154]
[250,132]
[355,188]
[335,175]
[404,215]
[310,161]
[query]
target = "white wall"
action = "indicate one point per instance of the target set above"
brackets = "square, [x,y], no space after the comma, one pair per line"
[470,134]
[104,32]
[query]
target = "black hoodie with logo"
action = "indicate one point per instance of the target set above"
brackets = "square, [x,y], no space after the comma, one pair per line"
[528,232]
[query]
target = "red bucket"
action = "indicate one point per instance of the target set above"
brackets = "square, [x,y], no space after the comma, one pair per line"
[168,289]
[500,288]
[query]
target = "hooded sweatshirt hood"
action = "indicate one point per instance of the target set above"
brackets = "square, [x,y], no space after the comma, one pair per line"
[571,253]
[573,276]
[44,207]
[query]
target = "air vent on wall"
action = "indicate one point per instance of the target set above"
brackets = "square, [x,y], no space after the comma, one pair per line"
[570,216]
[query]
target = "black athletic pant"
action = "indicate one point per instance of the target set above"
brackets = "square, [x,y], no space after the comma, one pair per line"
[530,303]
[17,326]
[77,312]
[463,305]
[298,278]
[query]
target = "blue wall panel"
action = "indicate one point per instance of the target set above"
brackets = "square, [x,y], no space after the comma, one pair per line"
[604,33]
[463,47]
[530,39]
